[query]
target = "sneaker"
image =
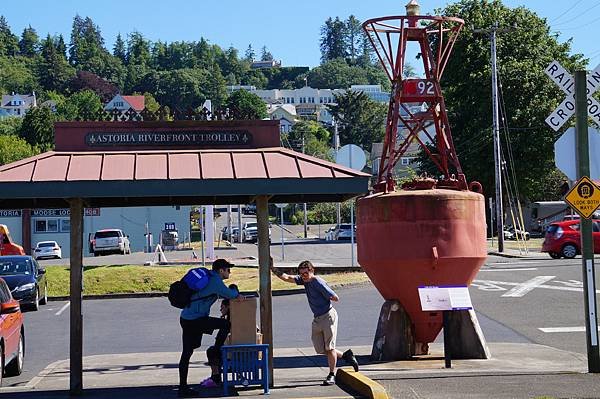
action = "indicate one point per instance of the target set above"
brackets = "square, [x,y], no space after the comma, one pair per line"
[329,380]
[187,392]
[349,358]
[208,383]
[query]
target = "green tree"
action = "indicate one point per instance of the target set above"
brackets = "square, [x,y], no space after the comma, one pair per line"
[78,106]
[265,55]
[17,74]
[311,138]
[360,119]
[29,43]
[38,128]
[10,126]
[14,148]
[9,43]
[54,71]
[354,38]
[150,102]
[333,40]
[247,105]
[338,74]
[119,49]
[249,54]
[527,95]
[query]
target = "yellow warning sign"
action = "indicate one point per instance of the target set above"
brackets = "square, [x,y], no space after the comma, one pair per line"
[584,197]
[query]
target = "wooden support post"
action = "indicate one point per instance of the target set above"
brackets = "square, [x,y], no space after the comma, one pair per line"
[76,278]
[266,312]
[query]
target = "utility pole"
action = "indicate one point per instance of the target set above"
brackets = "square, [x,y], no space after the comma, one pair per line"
[336,147]
[496,134]
[587,240]
[304,205]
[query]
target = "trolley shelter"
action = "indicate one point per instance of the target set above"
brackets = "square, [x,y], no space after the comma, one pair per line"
[188,162]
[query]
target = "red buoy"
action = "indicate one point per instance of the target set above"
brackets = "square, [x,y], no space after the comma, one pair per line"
[431,237]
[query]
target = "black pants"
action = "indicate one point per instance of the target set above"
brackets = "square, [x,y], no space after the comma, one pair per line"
[192,331]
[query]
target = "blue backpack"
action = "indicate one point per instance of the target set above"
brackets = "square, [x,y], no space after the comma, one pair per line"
[181,291]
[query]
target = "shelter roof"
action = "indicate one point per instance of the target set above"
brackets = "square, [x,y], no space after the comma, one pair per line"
[162,177]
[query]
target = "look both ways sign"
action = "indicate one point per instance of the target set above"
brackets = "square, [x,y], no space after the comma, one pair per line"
[584,197]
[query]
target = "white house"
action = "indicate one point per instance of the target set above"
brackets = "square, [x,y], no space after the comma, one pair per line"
[124,103]
[285,114]
[373,92]
[18,104]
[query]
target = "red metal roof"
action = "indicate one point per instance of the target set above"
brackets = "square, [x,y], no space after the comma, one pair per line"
[223,175]
[136,102]
[271,163]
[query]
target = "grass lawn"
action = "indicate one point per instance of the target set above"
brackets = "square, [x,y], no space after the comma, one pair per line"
[134,279]
[534,244]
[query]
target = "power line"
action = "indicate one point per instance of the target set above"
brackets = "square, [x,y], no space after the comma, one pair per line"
[562,14]
[578,15]
[582,26]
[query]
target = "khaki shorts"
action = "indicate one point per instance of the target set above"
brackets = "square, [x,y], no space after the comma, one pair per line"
[324,331]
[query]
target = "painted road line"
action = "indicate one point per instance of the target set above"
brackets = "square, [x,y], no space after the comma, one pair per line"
[517,269]
[65,306]
[515,263]
[492,285]
[563,329]
[527,286]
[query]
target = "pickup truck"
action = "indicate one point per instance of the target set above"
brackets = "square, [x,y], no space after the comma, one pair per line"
[250,232]
[7,246]
[110,241]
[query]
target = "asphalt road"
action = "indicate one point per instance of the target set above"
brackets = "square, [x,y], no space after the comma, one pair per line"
[515,300]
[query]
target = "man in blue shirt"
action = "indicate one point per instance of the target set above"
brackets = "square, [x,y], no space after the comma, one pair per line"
[195,321]
[325,322]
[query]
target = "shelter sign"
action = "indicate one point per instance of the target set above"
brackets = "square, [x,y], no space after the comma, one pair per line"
[584,197]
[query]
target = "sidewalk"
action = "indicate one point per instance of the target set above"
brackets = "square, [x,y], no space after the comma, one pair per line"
[532,370]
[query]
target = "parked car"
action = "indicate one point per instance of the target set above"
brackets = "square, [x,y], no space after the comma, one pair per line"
[250,232]
[234,234]
[511,233]
[26,280]
[110,241]
[47,249]
[9,247]
[12,334]
[563,239]
[343,232]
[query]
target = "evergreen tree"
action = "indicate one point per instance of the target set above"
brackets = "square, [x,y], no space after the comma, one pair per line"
[250,54]
[119,49]
[9,43]
[61,47]
[54,71]
[38,128]
[29,43]
[354,38]
[265,55]
[333,40]
[246,105]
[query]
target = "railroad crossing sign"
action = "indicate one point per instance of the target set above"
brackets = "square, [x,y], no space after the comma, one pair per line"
[565,81]
[584,197]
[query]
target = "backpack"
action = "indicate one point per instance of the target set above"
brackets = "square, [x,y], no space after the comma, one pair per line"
[181,291]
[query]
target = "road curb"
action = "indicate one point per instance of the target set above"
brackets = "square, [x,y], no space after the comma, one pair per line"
[361,384]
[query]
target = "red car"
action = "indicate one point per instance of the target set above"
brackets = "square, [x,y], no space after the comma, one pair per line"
[563,239]
[12,334]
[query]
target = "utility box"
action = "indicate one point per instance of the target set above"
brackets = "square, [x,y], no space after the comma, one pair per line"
[243,322]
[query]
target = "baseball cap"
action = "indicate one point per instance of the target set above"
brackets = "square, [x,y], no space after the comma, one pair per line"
[221,264]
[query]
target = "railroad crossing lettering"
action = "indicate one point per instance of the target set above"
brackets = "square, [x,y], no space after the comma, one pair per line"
[566,82]
[584,197]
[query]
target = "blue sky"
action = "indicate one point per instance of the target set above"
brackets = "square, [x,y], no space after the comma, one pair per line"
[290,30]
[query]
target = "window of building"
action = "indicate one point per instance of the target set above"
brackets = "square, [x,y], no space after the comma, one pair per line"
[118,103]
[52,225]
[405,161]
